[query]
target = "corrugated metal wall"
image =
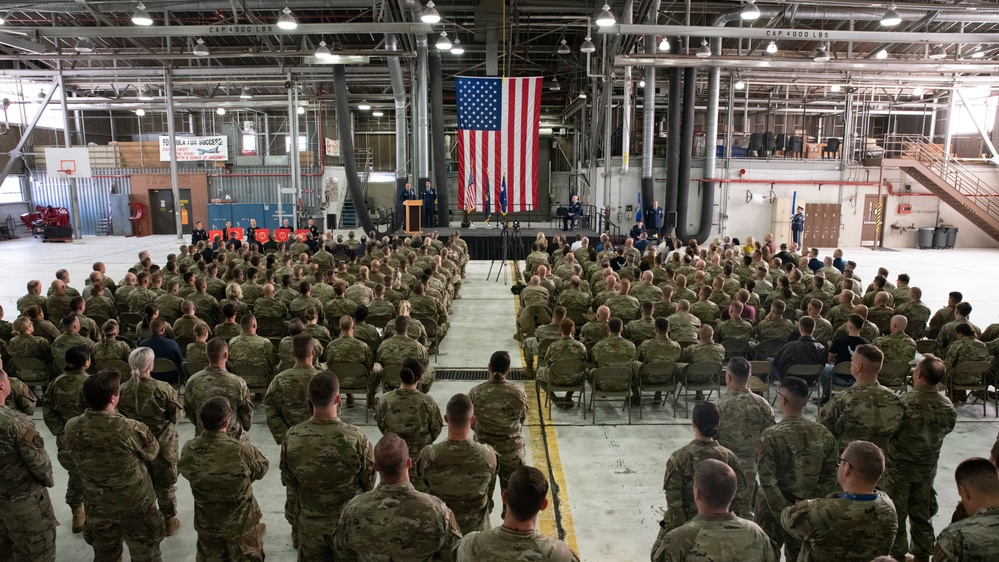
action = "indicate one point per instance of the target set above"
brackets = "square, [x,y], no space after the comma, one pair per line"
[92,193]
[259,184]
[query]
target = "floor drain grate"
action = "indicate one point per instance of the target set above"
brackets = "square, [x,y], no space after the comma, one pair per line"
[470,375]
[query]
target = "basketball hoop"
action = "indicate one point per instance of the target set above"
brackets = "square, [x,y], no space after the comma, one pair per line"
[67,167]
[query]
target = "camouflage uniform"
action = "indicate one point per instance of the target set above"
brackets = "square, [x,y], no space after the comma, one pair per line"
[660,348]
[776,328]
[502,544]
[110,349]
[368,334]
[395,522]
[29,300]
[396,349]
[89,329]
[137,299]
[563,349]
[646,293]
[615,351]
[897,348]
[206,306]
[338,307]
[744,416]
[57,307]
[27,523]
[155,403]
[31,346]
[463,475]
[101,306]
[735,329]
[940,317]
[592,332]
[678,482]
[637,331]
[841,528]
[912,456]
[196,352]
[324,463]
[698,352]
[183,327]
[285,350]
[625,307]
[212,382]
[797,460]
[253,350]
[169,305]
[270,308]
[915,312]
[532,345]
[705,311]
[683,326]
[574,298]
[65,342]
[352,350]
[971,540]
[414,417]
[286,401]
[964,350]
[359,293]
[500,411]
[715,537]
[109,452]
[865,411]
[62,401]
[22,398]
[221,471]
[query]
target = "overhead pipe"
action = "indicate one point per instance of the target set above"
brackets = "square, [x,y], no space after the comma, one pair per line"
[686,151]
[347,147]
[673,130]
[648,127]
[422,123]
[437,139]
[399,93]
[626,103]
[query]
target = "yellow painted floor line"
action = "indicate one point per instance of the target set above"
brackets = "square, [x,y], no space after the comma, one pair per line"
[544,453]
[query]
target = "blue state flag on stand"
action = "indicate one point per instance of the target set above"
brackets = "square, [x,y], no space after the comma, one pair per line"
[503,196]
[638,215]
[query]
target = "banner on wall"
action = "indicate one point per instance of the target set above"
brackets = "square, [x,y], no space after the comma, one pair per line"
[261,234]
[332,147]
[194,149]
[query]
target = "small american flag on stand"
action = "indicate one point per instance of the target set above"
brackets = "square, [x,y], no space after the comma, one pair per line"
[469,203]
[498,121]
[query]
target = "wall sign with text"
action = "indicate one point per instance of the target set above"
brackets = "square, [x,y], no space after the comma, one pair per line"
[192,149]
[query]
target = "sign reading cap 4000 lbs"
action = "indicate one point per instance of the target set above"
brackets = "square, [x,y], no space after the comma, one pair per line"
[263,29]
[191,149]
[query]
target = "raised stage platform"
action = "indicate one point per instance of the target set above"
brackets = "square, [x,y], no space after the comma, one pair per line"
[485,243]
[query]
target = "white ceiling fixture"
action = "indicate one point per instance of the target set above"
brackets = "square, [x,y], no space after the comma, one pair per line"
[141,16]
[938,52]
[41,94]
[772,48]
[555,87]
[641,83]
[245,94]
[3,19]
[220,111]
[429,14]
[918,92]
[84,46]
[882,54]
[444,44]
[750,11]
[588,46]
[664,44]
[703,51]
[200,49]
[978,52]
[140,112]
[287,21]
[606,17]
[834,88]
[582,94]
[300,110]
[891,17]
[377,113]
[323,52]
[457,48]
[740,85]
[364,105]
[145,94]
[563,48]
[821,54]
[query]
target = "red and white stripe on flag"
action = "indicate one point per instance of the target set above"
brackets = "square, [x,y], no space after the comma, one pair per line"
[497,138]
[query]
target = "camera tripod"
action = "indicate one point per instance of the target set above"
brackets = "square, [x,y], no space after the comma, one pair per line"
[508,237]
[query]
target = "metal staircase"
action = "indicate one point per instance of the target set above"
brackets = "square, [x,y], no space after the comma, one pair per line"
[947,178]
[348,213]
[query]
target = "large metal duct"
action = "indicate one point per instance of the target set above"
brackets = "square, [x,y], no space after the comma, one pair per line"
[648,127]
[422,122]
[347,146]
[627,17]
[437,138]
[399,94]
[686,151]
[673,130]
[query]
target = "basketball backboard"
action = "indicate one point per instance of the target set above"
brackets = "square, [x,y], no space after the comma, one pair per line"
[67,162]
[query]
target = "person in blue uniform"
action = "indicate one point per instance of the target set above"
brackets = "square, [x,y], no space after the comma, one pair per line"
[798,225]
[572,214]
[655,218]
[429,205]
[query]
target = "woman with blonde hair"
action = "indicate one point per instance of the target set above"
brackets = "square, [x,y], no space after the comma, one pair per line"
[110,347]
[416,329]
[234,294]
[155,403]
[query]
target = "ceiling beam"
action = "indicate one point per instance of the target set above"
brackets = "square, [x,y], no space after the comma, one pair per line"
[791,34]
[239,30]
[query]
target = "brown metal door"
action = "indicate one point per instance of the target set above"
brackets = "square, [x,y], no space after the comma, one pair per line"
[870,230]
[821,225]
[161,209]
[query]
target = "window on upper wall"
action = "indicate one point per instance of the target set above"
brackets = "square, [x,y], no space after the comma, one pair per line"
[10,191]
[303,144]
[249,144]
[982,104]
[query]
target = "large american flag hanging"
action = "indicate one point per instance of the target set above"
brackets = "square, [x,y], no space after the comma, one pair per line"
[498,122]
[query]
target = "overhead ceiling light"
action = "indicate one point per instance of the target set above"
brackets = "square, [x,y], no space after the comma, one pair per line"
[287,21]
[323,52]
[978,52]
[84,46]
[563,48]
[377,113]
[364,105]
[582,94]
[3,19]
[834,88]
[606,17]
[41,94]
[641,83]
[772,48]
[740,85]
[429,14]
[555,87]
[587,46]
[444,44]
[200,49]
[918,92]
[457,48]
[891,17]
[245,94]
[220,111]
[141,16]
[300,110]
[821,54]
[145,94]
[664,44]
[750,11]
[882,54]
[140,112]
[938,52]
[704,51]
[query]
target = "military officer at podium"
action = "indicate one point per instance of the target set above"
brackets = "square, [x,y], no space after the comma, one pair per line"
[429,205]
[655,218]
[198,234]
[572,214]
[251,232]
[407,194]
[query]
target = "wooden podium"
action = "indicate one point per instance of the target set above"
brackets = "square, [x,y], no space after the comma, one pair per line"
[414,215]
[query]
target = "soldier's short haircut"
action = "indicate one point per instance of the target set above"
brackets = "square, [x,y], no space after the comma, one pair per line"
[246,322]
[558,312]
[979,474]
[869,352]
[903,277]
[158,326]
[706,417]
[647,307]
[566,326]
[716,483]
[99,389]
[323,388]
[662,326]
[525,492]
[779,306]
[360,314]
[346,324]
[866,458]
[200,284]
[228,310]
[737,308]
[214,413]
[796,387]
[75,303]
[304,287]
[187,306]
[402,325]
[739,368]
[201,329]
[296,327]
[807,325]
[932,368]
[816,304]
[460,409]
[963,308]
[857,320]
[957,296]
[76,357]
[391,453]
[216,348]
[499,362]
[615,325]
[67,320]
[301,346]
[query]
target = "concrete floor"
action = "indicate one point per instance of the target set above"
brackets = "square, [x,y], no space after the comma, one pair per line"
[608,476]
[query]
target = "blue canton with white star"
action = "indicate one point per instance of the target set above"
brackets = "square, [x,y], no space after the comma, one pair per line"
[480,103]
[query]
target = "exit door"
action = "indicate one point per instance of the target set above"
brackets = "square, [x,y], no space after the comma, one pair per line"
[163,214]
[821,225]
[872,229]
